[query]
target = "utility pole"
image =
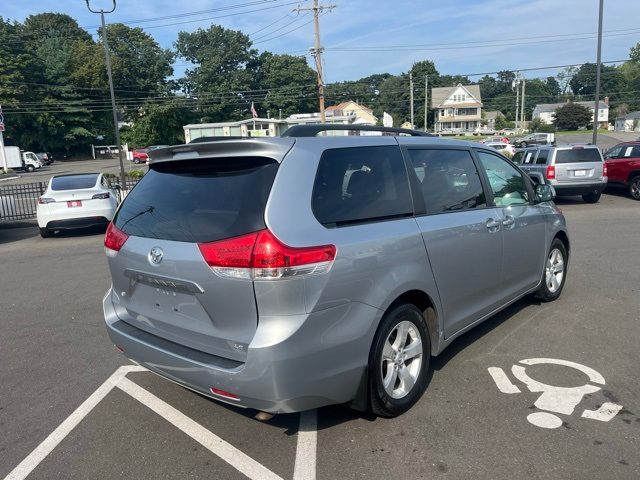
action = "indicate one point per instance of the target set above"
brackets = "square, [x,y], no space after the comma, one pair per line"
[426,99]
[522,112]
[517,84]
[596,110]
[316,50]
[110,77]
[411,96]
[2,154]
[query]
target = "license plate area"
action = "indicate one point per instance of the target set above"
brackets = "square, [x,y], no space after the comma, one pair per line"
[580,173]
[74,203]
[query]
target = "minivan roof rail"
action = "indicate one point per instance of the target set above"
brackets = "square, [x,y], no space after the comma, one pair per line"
[298,131]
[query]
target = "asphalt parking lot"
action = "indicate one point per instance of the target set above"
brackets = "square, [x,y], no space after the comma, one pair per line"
[68,410]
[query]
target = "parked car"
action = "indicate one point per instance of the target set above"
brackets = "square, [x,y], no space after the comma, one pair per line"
[76,201]
[494,139]
[140,155]
[284,274]
[570,169]
[502,147]
[535,139]
[45,158]
[623,167]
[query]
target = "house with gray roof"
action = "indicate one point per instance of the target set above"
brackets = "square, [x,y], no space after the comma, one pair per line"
[458,109]
[628,123]
[546,111]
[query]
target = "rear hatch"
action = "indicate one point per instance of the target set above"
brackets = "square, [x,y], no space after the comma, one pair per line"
[161,282]
[579,164]
[70,193]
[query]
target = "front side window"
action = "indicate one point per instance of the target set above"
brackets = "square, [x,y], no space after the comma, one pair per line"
[356,185]
[448,180]
[507,183]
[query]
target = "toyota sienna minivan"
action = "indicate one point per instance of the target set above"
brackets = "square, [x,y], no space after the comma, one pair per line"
[284,274]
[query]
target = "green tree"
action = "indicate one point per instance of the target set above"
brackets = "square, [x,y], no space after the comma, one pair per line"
[291,83]
[223,72]
[611,81]
[572,116]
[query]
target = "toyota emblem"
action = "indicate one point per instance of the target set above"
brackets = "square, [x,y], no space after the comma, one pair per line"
[155,255]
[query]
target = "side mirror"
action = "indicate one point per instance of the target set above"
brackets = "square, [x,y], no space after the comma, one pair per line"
[544,193]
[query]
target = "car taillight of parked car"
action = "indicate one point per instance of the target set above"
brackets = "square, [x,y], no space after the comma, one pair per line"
[44,200]
[261,256]
[114,239]
[551,172]
[605,169]
[101,196]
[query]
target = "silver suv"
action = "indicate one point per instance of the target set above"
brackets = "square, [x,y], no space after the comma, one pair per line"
[284,274]
[571,169]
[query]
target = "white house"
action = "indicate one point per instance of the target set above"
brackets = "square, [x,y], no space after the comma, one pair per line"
[628,123]
[458,108]
[545,111]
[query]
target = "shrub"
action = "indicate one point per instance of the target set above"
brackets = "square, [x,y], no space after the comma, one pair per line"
[572,116]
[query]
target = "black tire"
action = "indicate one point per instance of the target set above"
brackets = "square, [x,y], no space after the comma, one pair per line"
[45,232]
[634,187]
[30,168]
[545,293]
[381,402]
[592,197]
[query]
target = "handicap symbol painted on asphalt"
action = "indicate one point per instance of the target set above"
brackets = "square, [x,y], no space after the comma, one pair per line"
[554,399]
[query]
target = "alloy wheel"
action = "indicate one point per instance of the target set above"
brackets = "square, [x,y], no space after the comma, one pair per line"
[554,270]
[401,360]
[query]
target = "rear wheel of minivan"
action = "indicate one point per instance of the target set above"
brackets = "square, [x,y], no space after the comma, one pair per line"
[399,361]
[591,197]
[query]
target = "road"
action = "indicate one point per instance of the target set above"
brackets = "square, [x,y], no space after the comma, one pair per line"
[55,354]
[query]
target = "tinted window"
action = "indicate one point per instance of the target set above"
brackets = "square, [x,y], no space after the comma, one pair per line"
[632,151]
[543,155]
[518,157]
[614,152]
[448,180]
[359,184]
[74,182]
[507,183]
[199,200]
[578,155]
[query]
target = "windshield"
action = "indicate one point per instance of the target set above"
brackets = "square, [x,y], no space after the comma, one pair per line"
[74,182]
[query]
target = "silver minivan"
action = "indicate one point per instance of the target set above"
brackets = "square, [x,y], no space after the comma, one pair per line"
[571,169]
[284,274]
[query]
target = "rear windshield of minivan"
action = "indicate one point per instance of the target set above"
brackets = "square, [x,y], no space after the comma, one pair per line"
[74,182]
[578,155]
[199,200]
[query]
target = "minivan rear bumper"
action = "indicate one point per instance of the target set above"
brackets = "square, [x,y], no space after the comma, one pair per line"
[578,188]
[294,362]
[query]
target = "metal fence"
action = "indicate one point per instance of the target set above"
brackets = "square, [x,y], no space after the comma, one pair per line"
[19,202]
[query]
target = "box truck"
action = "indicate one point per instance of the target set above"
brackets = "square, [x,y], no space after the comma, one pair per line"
[18,160]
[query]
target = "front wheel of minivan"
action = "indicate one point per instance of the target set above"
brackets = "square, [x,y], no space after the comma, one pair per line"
[399,361]
[555,272]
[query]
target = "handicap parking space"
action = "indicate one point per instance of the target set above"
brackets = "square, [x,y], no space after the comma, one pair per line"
[538,391]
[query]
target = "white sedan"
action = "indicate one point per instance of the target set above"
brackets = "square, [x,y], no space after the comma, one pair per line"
[76,201]
[504,148]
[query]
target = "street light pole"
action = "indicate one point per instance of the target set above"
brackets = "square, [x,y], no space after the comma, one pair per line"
[110,77]
[596,110]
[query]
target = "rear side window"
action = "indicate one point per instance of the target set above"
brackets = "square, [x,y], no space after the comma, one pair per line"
[199,200]
[74,182]
[360,184]
[448,180]
[578,155]
[543,156]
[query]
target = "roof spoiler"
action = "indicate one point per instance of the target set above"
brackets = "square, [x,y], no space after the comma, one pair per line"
[299,131]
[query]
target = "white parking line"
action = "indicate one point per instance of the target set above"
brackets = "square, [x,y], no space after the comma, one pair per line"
[502,381]
[41,451]
[305,466]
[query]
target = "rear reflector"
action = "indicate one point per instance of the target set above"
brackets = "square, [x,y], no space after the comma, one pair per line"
[605,170]
[222,393]
[551,172]
[260,255]
[114,239]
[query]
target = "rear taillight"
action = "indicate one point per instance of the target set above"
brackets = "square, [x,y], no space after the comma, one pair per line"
[605,169]
[261,256]
[101,196]
[44,200]
[551,172]
[114,239]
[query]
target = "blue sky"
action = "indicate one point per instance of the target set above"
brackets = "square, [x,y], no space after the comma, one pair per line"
[452,30]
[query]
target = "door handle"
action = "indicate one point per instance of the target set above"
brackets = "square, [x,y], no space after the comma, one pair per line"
[493,225]
[508,221]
